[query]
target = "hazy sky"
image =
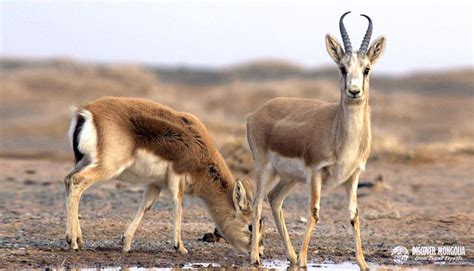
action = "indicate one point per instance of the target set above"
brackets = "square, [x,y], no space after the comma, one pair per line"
[420,35]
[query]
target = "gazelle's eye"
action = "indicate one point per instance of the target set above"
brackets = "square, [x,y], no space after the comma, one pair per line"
[250,227]
[366,71]
[343,70]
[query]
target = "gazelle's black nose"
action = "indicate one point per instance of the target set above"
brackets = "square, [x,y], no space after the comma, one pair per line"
[354,92]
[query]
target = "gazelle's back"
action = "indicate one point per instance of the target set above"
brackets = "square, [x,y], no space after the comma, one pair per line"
[127,125]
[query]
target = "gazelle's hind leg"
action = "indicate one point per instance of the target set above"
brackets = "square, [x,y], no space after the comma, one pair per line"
[152,192]
[276,198]
[76,183]
[313,216]
[176,187]
[351,191]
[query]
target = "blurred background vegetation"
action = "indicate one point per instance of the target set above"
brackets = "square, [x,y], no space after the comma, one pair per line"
[421,117]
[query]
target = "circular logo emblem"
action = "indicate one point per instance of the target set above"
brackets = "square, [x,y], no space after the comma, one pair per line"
[400,254]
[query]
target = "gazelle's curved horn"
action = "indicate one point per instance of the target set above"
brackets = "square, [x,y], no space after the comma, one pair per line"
[344,35]
[365,42]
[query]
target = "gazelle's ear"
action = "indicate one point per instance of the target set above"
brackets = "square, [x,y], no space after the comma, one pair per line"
[376,49]
[334,48]
[239,196]
[248,188]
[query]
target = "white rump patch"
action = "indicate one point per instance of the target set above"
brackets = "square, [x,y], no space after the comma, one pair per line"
[88,136]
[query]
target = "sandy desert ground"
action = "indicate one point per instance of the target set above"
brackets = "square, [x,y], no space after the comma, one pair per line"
[420,172]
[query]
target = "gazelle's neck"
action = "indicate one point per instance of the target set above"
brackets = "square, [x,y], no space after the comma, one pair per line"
[217,196]
[215,186]
[220,207]
[352,122]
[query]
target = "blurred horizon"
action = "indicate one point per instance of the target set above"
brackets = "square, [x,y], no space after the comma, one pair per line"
[221,35]
[262,62]
[253,70]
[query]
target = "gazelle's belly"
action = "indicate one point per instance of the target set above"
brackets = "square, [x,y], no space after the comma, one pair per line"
[289,168]
[146,168]
[295,169]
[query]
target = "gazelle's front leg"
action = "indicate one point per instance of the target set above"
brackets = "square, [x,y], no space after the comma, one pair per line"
[176,186]
[266,176]
[313,217]
[351,191]
[151,193]
[276,198]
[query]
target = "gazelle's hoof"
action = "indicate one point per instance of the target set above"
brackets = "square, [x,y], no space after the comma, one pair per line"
[256,263]
[293,259]
[363,266]
[293,267]
[181,249]
[80,243]
[125,249]
[255,258]
[302,263]
[126,244]
[75,244]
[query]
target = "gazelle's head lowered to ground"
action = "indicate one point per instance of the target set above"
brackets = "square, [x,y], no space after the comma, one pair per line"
[141,141]
[355,66]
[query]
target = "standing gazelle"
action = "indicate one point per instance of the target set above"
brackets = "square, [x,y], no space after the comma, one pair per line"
[307,140]
[144,142]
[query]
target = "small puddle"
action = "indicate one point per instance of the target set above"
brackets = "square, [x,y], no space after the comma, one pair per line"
[269,265]
[272,264]
[283,265]
[275,264]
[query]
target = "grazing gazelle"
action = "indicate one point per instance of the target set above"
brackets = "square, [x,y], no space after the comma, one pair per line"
[307,140]
[144,142]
